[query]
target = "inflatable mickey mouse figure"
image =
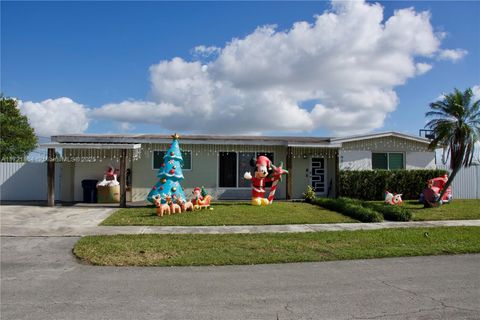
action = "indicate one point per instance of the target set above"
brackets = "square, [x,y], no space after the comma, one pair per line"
[263,168]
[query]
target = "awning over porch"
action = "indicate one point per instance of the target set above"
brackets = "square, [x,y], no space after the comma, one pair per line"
[122,147]
[74,145]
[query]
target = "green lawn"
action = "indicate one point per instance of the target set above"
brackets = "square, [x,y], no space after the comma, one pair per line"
[457,210]
[228,249]
[228,213]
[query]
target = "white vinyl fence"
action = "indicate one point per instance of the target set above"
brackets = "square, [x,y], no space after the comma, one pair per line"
[466,184]
[26,181]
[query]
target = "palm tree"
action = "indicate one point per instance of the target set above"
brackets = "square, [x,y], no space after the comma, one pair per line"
[456,126]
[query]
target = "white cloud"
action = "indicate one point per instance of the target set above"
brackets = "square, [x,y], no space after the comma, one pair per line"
[453,55]
[126,126]
[476,93]
[204,51]
[349,59]
[55,116]
[423,68]
[135,111]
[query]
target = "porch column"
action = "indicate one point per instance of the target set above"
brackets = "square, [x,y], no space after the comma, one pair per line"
[289,175]
[337,173]
[123,177]
[51,177]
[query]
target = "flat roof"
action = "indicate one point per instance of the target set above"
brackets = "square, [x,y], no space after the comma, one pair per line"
[192,139]
[381,135]
[291,141]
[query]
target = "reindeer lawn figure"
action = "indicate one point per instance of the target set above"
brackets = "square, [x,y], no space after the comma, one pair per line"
[174,208]
[185,205]
[161,207]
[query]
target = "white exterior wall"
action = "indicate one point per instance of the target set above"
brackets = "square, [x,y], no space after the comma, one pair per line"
[89,170]
[420,160]
[204,171]
[75,172]
[355,160]
[357,155]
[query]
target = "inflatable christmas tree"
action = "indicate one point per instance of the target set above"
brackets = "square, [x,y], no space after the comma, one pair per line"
[170,175]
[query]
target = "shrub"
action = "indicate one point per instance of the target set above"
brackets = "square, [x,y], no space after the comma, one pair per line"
[309,195]
[371,184]
[350,208]
[389,212]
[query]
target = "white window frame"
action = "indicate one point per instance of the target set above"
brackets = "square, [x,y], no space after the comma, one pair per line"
[191,159]
[388,159]
[238,157]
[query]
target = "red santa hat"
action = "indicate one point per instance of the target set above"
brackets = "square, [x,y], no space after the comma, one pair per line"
[264,161]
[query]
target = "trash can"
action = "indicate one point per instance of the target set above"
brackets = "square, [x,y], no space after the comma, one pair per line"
[89,191]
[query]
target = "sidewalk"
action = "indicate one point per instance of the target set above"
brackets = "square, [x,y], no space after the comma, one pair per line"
[23,221]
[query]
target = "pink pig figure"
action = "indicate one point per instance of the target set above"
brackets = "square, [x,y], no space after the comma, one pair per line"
[393,199]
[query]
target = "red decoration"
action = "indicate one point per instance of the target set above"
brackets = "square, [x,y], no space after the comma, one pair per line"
[163,164]
[172,153]
[154,188]
[161,188]
[172,171]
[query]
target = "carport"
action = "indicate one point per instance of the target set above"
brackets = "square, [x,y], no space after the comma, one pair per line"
[88,147]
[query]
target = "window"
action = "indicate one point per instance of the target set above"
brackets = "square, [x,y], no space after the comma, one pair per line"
[395,161]
[388,161]
[233,165]
[158,159]
[227,169]
[244,166]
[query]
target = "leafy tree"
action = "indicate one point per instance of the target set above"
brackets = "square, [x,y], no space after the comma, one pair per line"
[17,137]
[456,125]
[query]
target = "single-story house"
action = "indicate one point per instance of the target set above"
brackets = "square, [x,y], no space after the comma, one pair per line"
[219,162]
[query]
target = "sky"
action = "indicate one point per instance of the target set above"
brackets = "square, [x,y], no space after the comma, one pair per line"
[313,68]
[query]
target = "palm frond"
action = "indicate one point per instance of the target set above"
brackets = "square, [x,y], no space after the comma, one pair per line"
[455,121]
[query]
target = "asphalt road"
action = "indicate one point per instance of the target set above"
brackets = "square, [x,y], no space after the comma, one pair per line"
[41,279]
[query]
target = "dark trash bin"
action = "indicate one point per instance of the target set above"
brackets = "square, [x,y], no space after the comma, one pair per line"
[89,191]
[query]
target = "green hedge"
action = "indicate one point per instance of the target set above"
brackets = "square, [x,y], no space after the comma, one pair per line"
[372,184]
[351,208]
[389,212]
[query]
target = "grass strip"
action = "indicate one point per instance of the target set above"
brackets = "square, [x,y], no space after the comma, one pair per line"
[230,213]
[351,208]
[237,249]
[458,209]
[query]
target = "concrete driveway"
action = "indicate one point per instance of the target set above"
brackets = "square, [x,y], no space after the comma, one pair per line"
[24,220]
[40,279]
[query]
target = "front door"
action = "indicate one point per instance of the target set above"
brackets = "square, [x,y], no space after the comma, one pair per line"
[318,175]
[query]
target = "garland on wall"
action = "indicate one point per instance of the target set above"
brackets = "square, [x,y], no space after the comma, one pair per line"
[100,155]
